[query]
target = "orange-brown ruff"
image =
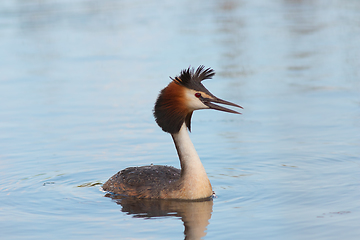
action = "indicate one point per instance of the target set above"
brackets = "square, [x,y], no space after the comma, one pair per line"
[173,110]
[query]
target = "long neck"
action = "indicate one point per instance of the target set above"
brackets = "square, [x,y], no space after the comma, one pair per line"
[192,170]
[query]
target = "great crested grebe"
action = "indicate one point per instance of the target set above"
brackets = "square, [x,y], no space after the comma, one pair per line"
[173,110]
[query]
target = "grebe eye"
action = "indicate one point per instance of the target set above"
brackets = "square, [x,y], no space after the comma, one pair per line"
[197,95]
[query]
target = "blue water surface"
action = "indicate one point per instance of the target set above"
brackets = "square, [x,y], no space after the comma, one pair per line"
[77,87]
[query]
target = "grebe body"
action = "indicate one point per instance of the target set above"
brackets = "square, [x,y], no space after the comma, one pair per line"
[173,111]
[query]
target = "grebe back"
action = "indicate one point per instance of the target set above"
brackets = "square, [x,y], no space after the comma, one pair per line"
[173,111]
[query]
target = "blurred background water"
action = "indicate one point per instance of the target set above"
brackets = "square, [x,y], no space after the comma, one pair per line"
[77,87]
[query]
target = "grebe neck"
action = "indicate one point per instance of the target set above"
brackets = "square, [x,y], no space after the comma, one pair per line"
[191,166]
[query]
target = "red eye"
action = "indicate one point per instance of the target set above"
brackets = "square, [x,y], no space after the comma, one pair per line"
[197,95]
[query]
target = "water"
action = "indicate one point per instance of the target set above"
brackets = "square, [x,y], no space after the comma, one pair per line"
[78,83]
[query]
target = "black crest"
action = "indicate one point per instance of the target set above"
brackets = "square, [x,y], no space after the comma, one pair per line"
[169,111]
[192,79]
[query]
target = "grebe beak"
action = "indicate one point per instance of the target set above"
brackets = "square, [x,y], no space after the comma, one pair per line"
[210,103]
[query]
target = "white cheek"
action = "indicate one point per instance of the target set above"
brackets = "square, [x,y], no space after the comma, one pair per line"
[194,103]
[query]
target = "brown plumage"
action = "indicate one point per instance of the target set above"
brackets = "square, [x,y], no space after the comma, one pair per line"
[170,109]
[145,182]
[173,111]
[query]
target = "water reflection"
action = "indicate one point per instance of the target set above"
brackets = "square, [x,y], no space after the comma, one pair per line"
[194,214]
[231,26]
[30,16]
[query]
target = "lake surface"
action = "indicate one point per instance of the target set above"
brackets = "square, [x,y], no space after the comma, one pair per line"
[78,83]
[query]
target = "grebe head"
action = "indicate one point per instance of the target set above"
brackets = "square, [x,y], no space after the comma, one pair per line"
[185,94]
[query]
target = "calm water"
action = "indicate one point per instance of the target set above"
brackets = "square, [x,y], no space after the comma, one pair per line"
[77,87]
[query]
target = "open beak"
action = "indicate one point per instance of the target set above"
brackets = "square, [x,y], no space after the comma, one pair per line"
[210,103]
